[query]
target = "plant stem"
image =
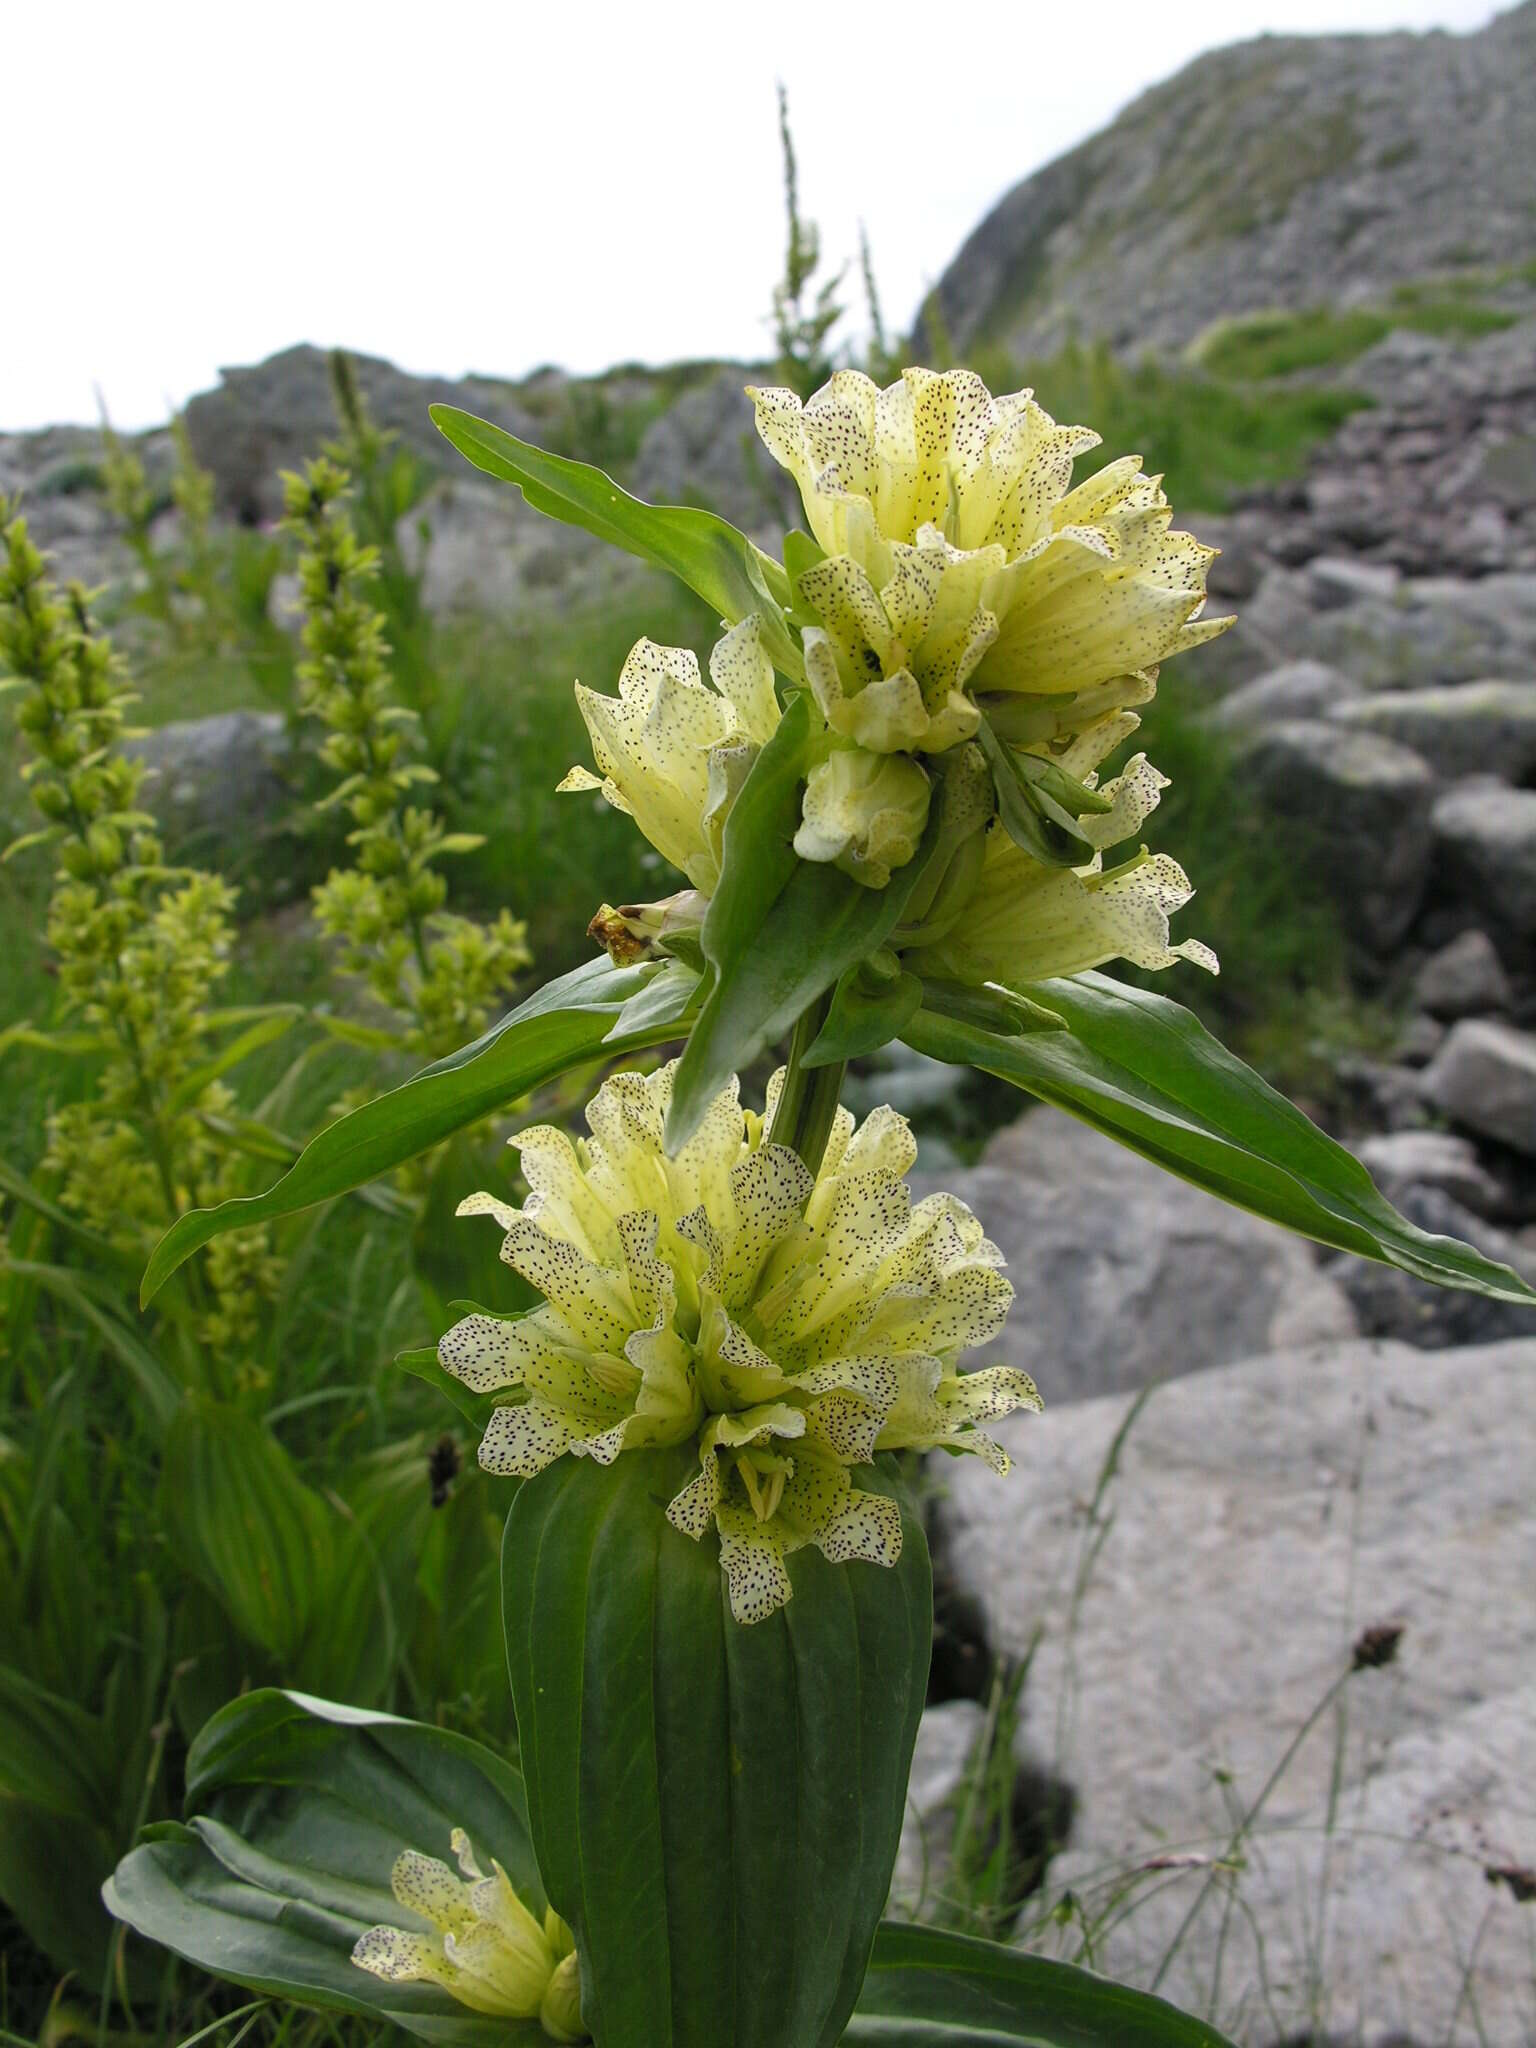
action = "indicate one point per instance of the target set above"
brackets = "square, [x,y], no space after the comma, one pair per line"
[808,1103]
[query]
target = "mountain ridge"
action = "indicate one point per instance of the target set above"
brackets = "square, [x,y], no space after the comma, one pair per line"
[1348,163]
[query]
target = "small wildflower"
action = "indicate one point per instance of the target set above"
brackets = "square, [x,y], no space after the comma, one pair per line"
[487,1950]
[791,1328]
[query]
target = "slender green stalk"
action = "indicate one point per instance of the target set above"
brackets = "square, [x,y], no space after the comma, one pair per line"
[808,1103]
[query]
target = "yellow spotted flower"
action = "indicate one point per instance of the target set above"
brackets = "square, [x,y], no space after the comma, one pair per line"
[789,1327]
[962,562]
[674,752]
[1022,921]
[486,1949]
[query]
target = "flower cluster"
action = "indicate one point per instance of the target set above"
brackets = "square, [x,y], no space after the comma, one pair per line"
[965,592]
[140,949]
[487,1950]
[789,1326]
[440,972]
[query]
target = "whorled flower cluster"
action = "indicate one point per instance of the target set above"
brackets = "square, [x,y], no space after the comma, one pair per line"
[789,1326]
[487,1950]
[960,561]
[963,578]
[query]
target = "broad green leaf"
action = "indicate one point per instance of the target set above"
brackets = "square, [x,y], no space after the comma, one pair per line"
[699,548]
[51,1869]
[758,845]
[50,1751]
[242,1521]
[930,1989]
[715,1808]
[1145,1072]
[301,1808]
[564,1025]
[774,954]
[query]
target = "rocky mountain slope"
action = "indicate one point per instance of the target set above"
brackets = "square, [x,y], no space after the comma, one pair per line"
[1287,170]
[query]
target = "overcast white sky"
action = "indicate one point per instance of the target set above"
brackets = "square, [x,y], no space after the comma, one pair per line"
[493,184]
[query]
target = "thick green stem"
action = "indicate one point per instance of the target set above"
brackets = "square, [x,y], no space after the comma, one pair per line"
[808,1103]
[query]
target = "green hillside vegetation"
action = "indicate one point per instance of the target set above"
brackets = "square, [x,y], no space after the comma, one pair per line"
[1278,344]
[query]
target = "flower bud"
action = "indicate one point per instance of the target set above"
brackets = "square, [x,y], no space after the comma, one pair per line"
[864,811]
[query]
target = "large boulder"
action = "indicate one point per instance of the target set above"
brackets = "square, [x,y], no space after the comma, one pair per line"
[1465,978]
[483,551]
[1428,630]
[1296,689]
[1485,846]
[1123,1275]
[273,415]
[704,450]
[1195,1585]
[1481,728]
[1400,1161]
[1364,803]
[1484,1077]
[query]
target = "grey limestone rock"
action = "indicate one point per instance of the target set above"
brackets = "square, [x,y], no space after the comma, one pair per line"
[1479,728]
[1485,843]
[1463,979]
[1390,1303]
[1261,1518]
[1296,689]
[1341,164]
[1484,1077]
[947,1739]
[1400,1161]
[704,449]
[221,773]
[1124,1275]
[273,415]
[1365,802]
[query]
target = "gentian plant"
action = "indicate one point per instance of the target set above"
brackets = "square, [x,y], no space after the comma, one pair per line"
[889,801]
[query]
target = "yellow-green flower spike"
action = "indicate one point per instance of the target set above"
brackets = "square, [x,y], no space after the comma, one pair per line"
[486,1949]
[789,1327]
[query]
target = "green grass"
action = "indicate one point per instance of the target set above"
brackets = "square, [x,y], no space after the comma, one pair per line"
[1266,345]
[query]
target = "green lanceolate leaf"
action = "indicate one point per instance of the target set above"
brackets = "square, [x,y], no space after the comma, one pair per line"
[300,1809]
[789,930]
[567,1023]
[1145,1072]
[699,548]
[1039,804]
[758,854]
[715,1808]
[930,1989]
